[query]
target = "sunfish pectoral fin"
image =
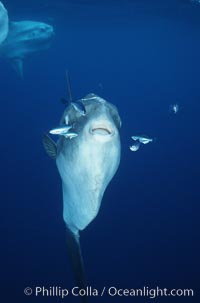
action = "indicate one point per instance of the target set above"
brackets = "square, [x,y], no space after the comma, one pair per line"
[49,146]
[76,260]
[17,64]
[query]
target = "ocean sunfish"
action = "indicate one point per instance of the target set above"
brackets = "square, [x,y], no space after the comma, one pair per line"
[24,38]
[3,23]
[86,165]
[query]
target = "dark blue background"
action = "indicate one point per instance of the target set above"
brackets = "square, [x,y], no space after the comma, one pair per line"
[142,56]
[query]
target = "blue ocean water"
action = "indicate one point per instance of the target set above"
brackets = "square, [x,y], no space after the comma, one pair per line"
[141,56]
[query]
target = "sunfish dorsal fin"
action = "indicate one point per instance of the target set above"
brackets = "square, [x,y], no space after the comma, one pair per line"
[69,86]
[17,64]
[49,146]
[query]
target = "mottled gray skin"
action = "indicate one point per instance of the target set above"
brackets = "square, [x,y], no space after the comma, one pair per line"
[3,23]
[88,162]
[25,38]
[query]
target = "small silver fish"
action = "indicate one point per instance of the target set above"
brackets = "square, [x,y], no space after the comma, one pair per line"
[135,146]
[70,135]
[174,108]
[62,130]
[142,139]
[79,107]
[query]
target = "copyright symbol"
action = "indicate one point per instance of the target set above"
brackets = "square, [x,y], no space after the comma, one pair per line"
[28,291]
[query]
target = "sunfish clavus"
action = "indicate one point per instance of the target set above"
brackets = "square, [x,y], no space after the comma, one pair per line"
[3,23]
[25,38]
[86,164]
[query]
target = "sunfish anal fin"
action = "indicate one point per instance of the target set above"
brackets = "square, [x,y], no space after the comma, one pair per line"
[76,260]
[17,64]
[49,146]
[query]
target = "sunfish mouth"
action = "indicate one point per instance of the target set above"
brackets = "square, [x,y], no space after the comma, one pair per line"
[102,130]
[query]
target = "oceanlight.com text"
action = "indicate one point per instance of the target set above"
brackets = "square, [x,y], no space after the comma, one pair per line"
[112,291]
